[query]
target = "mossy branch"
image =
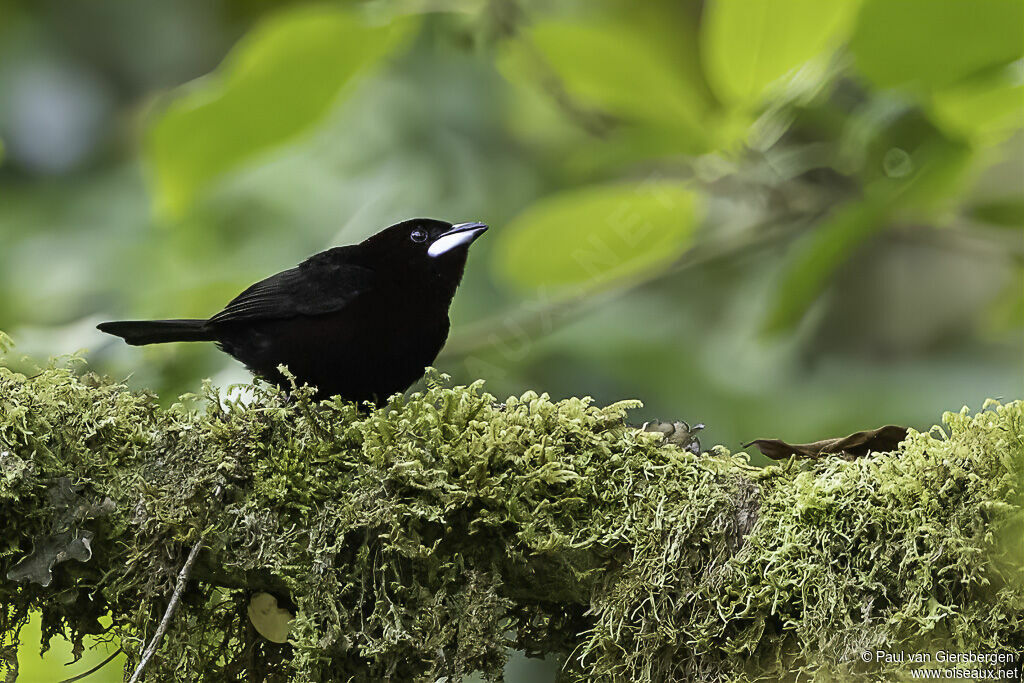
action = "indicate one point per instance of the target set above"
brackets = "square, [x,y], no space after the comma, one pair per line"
[427,538]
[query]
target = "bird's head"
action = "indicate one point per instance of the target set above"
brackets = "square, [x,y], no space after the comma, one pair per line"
[427,243]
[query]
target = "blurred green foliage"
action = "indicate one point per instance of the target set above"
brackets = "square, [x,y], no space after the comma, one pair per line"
[59,662]
[842,247]
[931,44]
[748,47]
[258,102]
[804,170]
[583,239]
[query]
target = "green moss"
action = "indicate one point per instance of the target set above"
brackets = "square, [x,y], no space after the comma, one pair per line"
[426,538]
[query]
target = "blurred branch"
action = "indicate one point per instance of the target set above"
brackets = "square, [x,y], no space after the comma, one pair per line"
[989,242]
[542,318]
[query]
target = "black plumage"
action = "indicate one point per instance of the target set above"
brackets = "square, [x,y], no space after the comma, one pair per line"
[361,321]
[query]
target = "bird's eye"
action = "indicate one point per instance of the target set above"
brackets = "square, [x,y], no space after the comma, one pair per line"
[418,235]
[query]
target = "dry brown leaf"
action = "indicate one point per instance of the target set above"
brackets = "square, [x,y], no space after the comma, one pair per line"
[859,443]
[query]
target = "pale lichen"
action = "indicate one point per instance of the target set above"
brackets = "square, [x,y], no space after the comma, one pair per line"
[426,538]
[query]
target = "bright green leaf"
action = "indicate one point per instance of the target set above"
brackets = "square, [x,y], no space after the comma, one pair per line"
[277,82]
[748,45]
[985,109]
[934,43]
[615,70]
[584,239]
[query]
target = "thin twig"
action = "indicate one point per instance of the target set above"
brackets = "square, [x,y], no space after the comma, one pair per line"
[96,668]
[172,606]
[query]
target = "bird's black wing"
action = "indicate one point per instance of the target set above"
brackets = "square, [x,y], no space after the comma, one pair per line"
[323,283]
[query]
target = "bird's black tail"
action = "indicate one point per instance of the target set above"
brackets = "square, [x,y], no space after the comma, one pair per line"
[140,332]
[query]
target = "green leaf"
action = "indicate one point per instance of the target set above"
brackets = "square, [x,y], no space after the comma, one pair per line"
[588,238]
[277,82]
[615,69]
[748,45]
[1005,313]
[984,109]
[934,43]
[1006,212]
[940,166]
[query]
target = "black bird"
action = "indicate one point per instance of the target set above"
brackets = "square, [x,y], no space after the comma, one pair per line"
[361,321]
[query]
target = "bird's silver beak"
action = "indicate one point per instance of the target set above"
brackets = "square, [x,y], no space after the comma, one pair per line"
[460,234]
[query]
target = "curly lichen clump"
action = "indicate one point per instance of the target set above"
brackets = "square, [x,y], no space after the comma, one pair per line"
[427,538]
